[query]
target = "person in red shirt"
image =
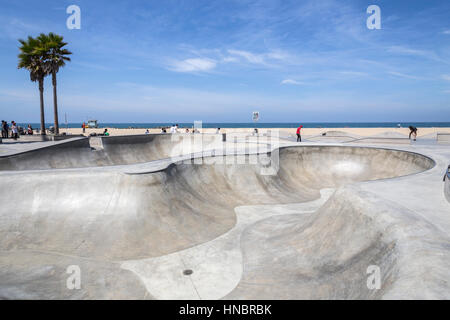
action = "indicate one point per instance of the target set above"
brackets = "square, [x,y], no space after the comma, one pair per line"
[299,136]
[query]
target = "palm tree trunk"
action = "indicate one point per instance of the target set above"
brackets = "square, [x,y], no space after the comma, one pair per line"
[41,94]
[55,103]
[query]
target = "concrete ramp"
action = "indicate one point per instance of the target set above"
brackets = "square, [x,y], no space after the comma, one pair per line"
[326,254]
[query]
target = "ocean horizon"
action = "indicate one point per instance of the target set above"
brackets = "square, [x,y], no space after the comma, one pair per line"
[149,125]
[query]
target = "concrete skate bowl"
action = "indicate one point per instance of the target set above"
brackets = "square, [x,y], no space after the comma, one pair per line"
[109,151]
[100,219]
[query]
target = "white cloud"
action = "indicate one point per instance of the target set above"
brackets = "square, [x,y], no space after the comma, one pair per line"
[267,58]
[354,73]
[418,53]
[446,77]
[277,55]
[250,57]
[446,32]
[403,75]
[193,65]
[290,81]
[408,51]
[230,59]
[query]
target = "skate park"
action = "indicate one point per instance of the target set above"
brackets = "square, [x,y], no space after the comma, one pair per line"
[226,217]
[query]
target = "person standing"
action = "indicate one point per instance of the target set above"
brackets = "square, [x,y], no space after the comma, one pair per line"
[6,130]
[84,126]
[174,129]
[412,132]
[3,129]
[299,135]
[14,130]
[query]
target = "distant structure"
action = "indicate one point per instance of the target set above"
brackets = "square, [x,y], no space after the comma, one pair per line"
[92,124]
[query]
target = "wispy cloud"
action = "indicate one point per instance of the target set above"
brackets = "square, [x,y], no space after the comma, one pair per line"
[446,31]
[403,75]
[417,52]
[265,58]
[409,51]
[354,73]
[446,77]
[290,81]
[193,65]
[250,57]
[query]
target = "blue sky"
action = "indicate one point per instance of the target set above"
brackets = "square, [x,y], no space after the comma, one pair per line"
[217,61]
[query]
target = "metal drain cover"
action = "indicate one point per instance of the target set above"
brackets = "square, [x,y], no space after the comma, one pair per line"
[188,272]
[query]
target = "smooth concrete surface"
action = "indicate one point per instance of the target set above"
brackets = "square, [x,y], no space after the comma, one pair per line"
[447,184]
[307,230]
[108,151]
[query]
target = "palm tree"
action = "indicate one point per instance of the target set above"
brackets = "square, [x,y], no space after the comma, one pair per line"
[55,57]
[30,59]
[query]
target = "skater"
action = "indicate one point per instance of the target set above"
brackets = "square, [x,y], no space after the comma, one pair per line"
[413,132]
[299,136]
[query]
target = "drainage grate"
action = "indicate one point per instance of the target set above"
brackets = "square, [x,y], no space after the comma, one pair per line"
[188,272]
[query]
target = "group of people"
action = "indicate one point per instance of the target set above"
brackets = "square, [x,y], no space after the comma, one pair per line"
[15,130]
[174,129]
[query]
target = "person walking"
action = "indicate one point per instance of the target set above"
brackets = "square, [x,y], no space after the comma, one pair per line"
[412,132]
[84,127]
[299,135]
[30,130]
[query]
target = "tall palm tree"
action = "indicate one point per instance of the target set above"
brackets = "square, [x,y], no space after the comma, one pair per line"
[55,57]
[30,58]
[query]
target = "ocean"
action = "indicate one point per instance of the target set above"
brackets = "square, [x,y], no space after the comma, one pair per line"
[259,125]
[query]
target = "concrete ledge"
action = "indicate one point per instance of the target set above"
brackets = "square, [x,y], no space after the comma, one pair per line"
[41,138]
[382,140]
[443,137]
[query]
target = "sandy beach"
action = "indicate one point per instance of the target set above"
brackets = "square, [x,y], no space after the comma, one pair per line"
[283,131]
